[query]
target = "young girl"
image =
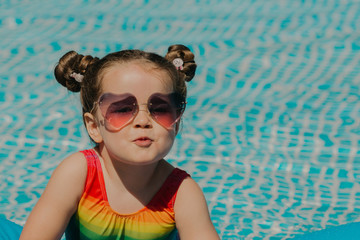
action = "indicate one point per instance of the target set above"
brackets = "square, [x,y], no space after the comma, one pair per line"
[132,103]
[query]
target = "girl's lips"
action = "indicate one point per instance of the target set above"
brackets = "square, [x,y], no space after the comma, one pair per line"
[143,141]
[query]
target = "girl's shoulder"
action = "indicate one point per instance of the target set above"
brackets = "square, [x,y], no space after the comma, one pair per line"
[59,200]
[74,163]
[192,214]
[72,169]
[190,198]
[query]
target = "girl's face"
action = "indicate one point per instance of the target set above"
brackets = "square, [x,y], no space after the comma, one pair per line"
[142,140]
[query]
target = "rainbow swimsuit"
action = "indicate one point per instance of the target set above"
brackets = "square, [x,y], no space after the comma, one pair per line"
[94,218]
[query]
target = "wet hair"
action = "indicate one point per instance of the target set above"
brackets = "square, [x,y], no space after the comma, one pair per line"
[92,69]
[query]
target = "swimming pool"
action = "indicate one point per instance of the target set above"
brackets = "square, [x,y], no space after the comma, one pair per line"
[272,129]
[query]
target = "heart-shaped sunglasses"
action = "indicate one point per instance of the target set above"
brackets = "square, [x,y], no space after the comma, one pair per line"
[120,109]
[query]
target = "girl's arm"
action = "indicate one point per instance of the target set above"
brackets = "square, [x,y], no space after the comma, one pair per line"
[191,213]
[51,214]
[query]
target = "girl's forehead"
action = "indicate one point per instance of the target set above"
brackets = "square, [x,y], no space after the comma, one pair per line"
[136,76]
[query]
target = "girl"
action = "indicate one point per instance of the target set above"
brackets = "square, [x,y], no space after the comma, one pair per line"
[132,103]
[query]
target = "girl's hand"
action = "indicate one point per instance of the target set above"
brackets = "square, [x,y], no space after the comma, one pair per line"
[191,213]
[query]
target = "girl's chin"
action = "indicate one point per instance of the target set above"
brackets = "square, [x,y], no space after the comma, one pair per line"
[140,161]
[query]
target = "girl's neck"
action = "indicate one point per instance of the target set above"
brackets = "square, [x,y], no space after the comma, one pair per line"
[133,178]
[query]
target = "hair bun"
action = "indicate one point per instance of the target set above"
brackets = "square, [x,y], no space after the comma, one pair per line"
[187,66]
[70,65]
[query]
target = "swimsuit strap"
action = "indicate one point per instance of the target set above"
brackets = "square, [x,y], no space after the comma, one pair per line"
[166,196]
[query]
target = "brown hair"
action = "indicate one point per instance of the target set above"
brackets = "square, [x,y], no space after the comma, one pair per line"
[93,68]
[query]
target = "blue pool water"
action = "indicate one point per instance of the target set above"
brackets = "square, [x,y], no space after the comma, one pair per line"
[272,129]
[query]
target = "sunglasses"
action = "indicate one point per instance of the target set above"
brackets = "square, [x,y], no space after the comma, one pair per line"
[120,109]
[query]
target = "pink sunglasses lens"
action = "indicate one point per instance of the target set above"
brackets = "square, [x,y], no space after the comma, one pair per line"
[166,109]
[117,110]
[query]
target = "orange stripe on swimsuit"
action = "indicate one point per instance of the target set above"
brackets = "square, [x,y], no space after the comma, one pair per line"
[95,219]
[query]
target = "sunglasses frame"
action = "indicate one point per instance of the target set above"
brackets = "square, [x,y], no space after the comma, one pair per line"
[110,127]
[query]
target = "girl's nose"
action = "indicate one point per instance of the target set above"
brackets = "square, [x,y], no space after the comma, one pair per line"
[142,118]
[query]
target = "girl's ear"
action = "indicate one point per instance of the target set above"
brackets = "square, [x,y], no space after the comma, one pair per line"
[177,126]
[92,127]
